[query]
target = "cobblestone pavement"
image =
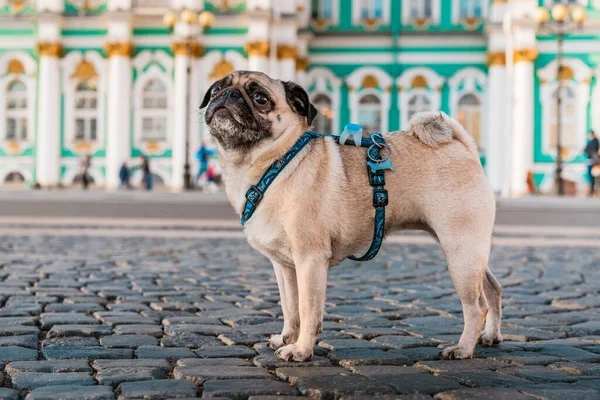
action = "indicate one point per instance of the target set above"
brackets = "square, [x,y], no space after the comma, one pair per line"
[160,318]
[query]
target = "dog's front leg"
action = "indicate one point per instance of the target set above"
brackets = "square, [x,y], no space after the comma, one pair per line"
[288,292]
[311,273]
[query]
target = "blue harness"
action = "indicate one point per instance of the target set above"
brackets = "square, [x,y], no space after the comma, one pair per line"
[376,168]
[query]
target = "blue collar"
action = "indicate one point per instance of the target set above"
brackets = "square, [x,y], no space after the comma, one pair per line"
[377,165]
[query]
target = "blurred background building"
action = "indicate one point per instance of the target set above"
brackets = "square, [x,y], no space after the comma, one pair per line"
[108,78]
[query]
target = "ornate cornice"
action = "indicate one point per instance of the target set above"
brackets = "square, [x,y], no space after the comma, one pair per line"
[191,48]
[287,52]
[257,49]
[302,63]
[50,49]
[525,55]
[496,58]
[121,49]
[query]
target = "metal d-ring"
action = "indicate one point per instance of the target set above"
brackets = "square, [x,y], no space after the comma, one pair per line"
[377,135]
[380,146]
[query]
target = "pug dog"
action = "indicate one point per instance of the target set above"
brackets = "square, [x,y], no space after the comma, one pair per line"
[319,209]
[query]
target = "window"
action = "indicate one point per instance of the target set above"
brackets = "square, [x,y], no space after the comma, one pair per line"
[471,9]
[16,111]
[154,111]
[371,9]
[469,116]
[369,113]
[568,132]
[418,102]
[86,116]
[421,9]
[324,121]
[323,9]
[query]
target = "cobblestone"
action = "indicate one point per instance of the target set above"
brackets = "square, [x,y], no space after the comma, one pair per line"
[106,318]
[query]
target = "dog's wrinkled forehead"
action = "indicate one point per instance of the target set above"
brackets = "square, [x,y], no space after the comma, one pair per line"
[243,79]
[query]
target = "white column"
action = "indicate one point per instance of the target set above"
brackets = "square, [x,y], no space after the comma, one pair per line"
[497,120]
[258,44]
[523,122]
[118,141]
[258,56]
[182,61]
[48,129]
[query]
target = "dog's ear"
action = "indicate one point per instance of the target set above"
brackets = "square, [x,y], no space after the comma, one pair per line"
[207,96]
[298,99]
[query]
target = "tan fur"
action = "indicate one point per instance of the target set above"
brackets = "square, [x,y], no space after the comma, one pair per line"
[319,211]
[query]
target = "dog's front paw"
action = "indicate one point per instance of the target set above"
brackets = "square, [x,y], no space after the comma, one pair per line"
[276,342]
[490,338]
[293,352]
[456,353]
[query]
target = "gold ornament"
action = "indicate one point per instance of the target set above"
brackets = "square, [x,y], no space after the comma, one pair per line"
[302,63]
[183,48]
[370,82]
[188,16]
[258,49]
[170,19]
[15,67]
[122,49]
[525,55]
[419,81]
[496,58]
[50,49]
[221,69]
[85,70]
[287,52]
[206,19]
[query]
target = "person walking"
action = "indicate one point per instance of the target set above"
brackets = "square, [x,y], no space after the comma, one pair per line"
[591,151]
[124,176]
[85,171]
[147,175]
[203,156]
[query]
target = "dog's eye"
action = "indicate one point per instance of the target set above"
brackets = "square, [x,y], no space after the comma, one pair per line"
[215,91]
[261,99]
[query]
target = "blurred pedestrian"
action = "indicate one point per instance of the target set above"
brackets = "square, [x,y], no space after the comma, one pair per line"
[85,171]
[147,175]
[203,156]
[591,151]
[124,176]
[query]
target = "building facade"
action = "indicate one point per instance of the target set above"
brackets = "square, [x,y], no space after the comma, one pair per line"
[106,78]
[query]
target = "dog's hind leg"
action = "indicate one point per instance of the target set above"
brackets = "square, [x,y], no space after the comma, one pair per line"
[493,294]
[467,254]
[288,292]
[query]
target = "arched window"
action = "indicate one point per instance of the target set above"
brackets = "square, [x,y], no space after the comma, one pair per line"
[471,9]
[469,116]
[16,111]
[86,114]
[371,9]
[324,121]
[421,9]
[369,113]
[323,9]
[154,111]
[418,102]
[568,131]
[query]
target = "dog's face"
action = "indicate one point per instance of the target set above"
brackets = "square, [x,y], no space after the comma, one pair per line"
[246,108]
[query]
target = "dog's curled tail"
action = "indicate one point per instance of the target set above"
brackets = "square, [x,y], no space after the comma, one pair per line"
[435,128]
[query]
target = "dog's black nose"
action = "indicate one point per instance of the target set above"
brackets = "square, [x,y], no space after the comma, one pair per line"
[236,94]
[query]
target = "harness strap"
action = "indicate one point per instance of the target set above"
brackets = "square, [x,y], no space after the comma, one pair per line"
[375,169]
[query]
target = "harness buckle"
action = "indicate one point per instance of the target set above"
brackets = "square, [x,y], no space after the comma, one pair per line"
[380,197]
[254,195]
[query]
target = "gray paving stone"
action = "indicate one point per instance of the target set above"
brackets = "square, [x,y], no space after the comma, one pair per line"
[214,330]
[208,362]
[403,342]
[75,341]
[9,394]
[116,376]
[79,307]
[14,353]
[406,380]
[71,392]
[226,352]
[344,344]
[539,374]
[244,388]
[16,330]
[53,366]
[133,363]
[158,352]
[89,352]
[48,320]
[199,375]
[366,356]
[79,330]
[191,340]
[152,330]
[577,368]
[559,393]
[128,341]
[270,361]
[32,380]
[28,341]
[157,389]
[483,394]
